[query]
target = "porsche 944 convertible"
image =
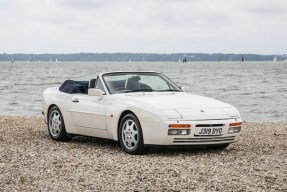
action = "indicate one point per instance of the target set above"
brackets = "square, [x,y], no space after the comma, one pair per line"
[139,110]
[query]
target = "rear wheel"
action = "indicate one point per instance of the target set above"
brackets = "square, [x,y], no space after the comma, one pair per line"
[56,125]
[130,135]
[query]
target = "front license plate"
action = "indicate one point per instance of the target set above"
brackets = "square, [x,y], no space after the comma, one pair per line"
[208,131]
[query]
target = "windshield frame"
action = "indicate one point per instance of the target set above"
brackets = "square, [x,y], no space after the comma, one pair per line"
[162,76]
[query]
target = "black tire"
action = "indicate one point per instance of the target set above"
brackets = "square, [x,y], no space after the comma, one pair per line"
[130,135]
[56,125]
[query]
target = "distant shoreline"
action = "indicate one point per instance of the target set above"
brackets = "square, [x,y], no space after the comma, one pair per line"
[145,57]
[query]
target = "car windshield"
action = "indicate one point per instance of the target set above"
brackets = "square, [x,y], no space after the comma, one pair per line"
[125,82]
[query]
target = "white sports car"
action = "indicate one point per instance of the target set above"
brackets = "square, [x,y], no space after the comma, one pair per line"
[140,110]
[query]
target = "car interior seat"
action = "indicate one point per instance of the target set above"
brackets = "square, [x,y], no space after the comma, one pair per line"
[92,83]
[133,83]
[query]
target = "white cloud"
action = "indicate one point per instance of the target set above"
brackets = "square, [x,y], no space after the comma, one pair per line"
[65,26]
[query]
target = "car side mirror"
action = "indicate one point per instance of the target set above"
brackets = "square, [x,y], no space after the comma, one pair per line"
[95,92]
[183,89]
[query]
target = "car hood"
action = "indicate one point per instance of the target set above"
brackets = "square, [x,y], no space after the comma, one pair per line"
[186,106]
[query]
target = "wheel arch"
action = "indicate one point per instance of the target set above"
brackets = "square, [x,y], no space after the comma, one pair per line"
[46,112]
[120,119]
[63,135]
[139,148]
[50,107]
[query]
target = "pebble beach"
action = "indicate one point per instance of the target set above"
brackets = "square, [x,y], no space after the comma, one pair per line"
[31,161]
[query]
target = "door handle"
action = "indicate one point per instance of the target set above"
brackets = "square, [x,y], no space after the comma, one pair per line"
[76,100]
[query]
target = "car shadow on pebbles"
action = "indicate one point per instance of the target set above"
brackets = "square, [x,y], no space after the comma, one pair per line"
[95,142]
[192,151]
[110,146]
[114,146]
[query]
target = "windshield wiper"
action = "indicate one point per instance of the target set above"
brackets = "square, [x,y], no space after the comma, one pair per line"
[168,90]
[139,90]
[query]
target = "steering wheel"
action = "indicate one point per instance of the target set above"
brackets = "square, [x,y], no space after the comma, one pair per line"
[120,89]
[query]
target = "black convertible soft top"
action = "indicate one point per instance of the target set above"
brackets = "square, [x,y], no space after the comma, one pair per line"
[72,87]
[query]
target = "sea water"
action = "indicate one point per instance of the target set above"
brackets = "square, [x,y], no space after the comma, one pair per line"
[257,89]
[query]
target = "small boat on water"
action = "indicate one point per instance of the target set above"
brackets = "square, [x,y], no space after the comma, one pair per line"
[184,60]
[242,59]
[275,59]
[12,60]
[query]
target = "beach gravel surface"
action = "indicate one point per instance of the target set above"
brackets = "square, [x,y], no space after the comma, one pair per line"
[31,161]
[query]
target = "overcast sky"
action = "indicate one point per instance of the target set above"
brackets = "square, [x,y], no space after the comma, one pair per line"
[151,26]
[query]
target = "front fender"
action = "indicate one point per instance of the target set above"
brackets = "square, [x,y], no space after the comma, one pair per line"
[144,113]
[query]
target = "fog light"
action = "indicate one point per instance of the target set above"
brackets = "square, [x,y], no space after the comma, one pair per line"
[178,131]
[234,129]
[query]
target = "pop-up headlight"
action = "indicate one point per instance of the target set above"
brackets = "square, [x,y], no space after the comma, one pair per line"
[171,114]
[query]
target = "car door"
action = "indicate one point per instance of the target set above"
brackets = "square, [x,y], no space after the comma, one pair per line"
[89,111]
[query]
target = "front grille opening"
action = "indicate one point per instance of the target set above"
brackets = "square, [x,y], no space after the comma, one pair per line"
[204,140]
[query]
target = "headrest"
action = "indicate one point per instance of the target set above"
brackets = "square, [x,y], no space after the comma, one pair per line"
[92,83]
[135,78]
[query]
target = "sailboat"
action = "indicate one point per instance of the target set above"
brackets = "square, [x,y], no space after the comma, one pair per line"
[12,60]
[275,59]
[184,60]
[242,59]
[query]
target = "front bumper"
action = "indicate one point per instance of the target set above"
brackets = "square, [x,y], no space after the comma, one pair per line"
[157,133]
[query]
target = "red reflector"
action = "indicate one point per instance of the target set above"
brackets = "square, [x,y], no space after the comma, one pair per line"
[235,124]
[179,125]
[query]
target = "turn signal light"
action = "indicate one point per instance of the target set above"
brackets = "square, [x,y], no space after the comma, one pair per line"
[234,127]
[179,126]
[235,124]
